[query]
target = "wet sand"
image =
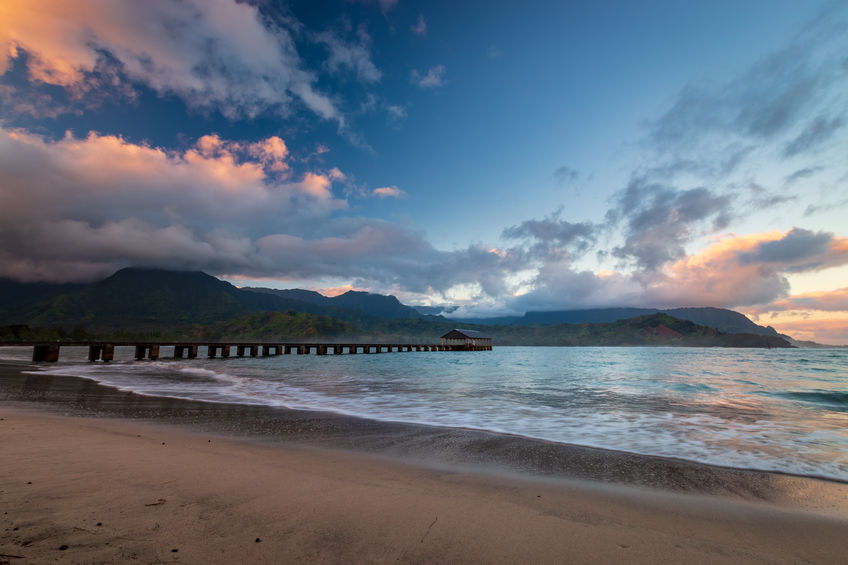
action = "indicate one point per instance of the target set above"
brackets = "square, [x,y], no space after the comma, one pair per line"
[209,479]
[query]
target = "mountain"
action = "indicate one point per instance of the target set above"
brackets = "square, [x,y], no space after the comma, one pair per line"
[590,316]
[646,330]
[721,319]
[309,296]
[137,298]
[378,305]
[14,293]
[724,320]
[276,326]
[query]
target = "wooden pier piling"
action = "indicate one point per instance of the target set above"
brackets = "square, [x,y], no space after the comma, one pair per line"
[45,353]
[149,350]
[181,351]
[103,352]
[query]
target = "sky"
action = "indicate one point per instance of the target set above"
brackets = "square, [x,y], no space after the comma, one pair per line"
[495,156]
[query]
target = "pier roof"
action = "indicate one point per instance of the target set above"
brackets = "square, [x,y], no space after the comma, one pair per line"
[465,334]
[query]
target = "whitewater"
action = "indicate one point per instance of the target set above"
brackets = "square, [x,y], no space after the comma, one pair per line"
[776,410]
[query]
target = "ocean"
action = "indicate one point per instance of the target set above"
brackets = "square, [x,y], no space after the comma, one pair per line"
[783,410]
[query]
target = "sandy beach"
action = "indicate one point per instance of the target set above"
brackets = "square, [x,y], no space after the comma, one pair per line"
[92,475]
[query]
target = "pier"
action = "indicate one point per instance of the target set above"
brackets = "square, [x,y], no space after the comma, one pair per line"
[102,351]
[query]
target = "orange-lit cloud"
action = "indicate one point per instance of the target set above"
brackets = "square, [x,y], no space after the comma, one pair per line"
[214,174]
[316,185]
[388,192]
[817,316]
[214,55]
[746,270]
[103,198]
[337,290]
[749,272]
[77,209]
[814,325]
[829,301]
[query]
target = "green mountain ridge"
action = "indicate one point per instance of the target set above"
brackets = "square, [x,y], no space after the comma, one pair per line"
[378,305]
[722,319]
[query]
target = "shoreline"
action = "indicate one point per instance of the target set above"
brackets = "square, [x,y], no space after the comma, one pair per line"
[422,444]
[117,477]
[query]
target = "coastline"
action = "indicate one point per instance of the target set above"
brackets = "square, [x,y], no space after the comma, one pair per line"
[328,488]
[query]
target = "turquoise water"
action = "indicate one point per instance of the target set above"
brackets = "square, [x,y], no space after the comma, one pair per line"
[781,410]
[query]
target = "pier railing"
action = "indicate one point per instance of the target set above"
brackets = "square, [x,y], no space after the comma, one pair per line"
[48,352]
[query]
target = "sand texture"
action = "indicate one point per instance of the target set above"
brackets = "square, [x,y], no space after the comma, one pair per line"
[92,490]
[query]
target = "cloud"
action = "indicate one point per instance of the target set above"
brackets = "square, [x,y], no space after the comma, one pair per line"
[745,270]
[829,331]
[769,98]
[387,5]
[817,132]
[396,113]
[552,236]
[566,175]
[762,198]
[798,250]
[433,78]
[734,271]
[818,316]
[829,301]
[60,198]
[822,326]
[388,192]
[30,102]
[659,220]
[708,147]
[420,27]
[214,56]
[558,286]
[336,175]
[379,255]
[789,102]
[77,209]
[354,56]
[800,174]
[813,209]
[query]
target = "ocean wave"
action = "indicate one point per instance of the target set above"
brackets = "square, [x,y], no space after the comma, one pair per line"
[731,408]
[834,399]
